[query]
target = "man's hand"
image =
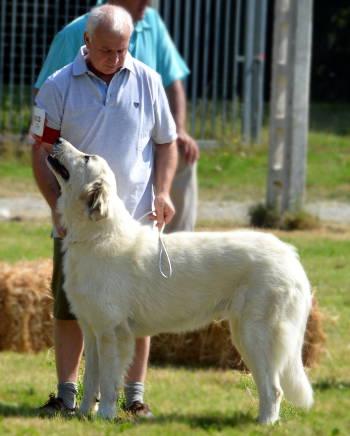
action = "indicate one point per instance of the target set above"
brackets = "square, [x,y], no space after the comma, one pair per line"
[164,209]
[188,147]
[37,144]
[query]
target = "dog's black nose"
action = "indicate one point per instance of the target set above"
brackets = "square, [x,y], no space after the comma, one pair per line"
[57,145]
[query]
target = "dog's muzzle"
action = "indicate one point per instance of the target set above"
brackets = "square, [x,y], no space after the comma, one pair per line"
[57,166]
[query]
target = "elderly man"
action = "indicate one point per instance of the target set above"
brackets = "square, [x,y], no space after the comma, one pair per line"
[107,103]
[151,44]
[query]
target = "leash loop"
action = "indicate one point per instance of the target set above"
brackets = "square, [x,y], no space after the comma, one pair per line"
[162,251]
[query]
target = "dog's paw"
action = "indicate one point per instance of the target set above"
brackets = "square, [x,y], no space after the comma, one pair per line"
[84,409]
[268,419]
[107,411]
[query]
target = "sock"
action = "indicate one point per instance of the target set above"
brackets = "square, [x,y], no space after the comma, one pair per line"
[133,392]
[67,391]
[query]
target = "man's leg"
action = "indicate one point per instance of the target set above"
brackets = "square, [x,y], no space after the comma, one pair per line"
[138,369]
[184,194]
[68,343]
[135,379]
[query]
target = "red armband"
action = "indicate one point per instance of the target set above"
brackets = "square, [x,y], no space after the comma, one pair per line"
[39,130]
[50,135]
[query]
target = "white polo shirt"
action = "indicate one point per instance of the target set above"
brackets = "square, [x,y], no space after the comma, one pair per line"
[120,121]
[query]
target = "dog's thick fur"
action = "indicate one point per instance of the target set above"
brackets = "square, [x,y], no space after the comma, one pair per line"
[114,286]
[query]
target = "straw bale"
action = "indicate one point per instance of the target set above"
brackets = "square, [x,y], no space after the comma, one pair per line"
[25,306]
[26,324]
[315,337]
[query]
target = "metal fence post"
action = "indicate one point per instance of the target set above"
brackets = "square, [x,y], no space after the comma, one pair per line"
[2,48]
[248,70]
[236,60]
[258,69]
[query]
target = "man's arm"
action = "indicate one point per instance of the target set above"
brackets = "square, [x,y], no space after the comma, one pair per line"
[46,181]
[177,102]
[165,167]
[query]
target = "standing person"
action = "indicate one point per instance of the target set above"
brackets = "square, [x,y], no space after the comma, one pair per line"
[108,103]
[151,44]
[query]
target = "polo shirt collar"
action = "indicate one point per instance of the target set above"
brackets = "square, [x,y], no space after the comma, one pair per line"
[80,67]
[79,64]
[129,63]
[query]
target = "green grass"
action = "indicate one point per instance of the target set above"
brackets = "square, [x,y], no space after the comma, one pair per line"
[198,401]
[16,177]
[237,172]
[24,241]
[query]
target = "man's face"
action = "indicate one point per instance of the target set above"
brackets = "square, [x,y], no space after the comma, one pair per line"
[107,50]
[136,8]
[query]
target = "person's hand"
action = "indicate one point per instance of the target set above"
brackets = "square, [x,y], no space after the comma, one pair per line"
[37,143]
[56,220]
[164,210]
[188,147]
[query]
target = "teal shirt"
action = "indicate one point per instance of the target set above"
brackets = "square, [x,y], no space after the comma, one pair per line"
[150,43]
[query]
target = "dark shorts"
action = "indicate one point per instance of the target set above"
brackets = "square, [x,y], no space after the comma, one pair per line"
[61,309]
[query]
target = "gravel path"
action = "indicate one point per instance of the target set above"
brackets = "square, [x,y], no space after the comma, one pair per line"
[34,207]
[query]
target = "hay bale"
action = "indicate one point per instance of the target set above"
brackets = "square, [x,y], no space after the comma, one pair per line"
[25,306]
[208,347]
[26,324]
[315,338]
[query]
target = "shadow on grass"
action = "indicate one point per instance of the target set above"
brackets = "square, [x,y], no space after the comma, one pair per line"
[23,410]
[213,422]
[330,384]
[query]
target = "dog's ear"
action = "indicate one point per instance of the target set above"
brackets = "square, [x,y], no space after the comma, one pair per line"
[95,198]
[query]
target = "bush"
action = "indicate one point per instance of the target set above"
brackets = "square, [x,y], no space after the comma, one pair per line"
[264,217]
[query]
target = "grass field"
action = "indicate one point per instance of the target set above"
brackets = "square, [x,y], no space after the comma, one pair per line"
[197,401]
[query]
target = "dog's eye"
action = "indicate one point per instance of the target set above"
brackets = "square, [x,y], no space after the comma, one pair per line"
[86,157]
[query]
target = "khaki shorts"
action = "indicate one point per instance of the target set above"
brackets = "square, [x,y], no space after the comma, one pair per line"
[61,309]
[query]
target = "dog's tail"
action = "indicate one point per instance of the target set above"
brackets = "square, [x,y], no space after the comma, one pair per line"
[295,384]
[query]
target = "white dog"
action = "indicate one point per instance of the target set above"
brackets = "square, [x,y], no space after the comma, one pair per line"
[114,286]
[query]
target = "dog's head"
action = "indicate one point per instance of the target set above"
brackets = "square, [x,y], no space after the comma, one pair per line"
[86,181]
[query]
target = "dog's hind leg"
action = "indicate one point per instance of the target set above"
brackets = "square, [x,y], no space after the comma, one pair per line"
[254,344]
[115,349]
[91,379]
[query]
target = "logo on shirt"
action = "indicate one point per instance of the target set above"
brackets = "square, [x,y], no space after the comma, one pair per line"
[136,104]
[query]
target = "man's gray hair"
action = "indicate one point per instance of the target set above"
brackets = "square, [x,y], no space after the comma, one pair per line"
[115,18]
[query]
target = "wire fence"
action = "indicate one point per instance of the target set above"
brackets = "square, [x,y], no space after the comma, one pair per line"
[210,35]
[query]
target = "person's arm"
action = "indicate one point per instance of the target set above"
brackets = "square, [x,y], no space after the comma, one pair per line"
[165,167]
[46,181]
[48,100]
[173,69]
[177,102]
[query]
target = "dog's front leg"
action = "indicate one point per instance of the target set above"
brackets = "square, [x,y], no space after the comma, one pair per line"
[107,356]
[116,349]
[91,378]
